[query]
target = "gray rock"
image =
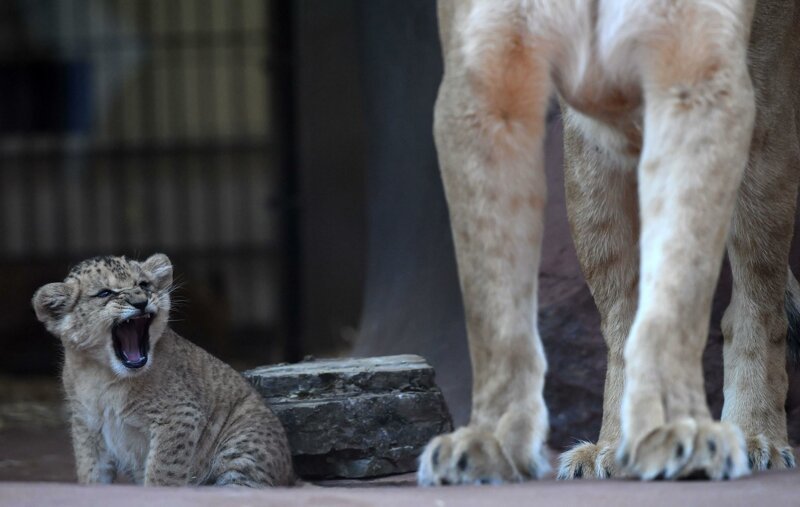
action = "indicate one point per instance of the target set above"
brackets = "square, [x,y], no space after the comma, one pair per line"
[355,418]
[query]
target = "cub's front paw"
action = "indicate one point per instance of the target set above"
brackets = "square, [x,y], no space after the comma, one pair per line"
[686,447]
[475,456]
[588,461]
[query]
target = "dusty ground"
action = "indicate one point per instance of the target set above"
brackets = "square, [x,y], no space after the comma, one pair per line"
[36,455]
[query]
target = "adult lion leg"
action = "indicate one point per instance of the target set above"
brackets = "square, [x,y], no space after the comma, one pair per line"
[699,110]
[755,322]
[603,211]
[489,124]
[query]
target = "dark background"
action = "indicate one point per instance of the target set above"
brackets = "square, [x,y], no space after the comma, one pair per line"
[280,152]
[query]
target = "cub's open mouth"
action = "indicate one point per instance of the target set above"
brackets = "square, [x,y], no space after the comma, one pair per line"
[131,340]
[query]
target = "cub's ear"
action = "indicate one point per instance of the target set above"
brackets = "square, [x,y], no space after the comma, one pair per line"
[159,266]
[54,300]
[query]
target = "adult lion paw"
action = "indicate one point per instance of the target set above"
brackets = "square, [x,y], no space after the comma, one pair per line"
[587,461]
[686,447]
[764,455]
[475,456]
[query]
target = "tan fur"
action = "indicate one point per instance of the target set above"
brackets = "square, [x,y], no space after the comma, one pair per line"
[183,418]
[659,112]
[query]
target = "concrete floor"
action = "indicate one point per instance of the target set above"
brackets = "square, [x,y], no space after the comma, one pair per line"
[36,469]
[771,488]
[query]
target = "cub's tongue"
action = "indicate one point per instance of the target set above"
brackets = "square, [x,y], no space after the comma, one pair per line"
[129,342]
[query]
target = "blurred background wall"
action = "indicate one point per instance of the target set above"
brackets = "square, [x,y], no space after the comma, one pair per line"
[280,153]
[128,127]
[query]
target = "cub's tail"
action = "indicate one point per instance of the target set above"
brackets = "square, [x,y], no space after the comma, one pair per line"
[792,303]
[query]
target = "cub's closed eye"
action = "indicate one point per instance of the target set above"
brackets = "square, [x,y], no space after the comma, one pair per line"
[144,285]
[104,293]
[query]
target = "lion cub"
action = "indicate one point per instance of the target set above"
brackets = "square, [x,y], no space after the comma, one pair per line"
[145,402]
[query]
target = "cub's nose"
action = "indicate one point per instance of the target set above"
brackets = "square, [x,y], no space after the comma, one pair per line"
[139,305]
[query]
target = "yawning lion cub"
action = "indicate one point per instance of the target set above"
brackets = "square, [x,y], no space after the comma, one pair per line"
[145,402]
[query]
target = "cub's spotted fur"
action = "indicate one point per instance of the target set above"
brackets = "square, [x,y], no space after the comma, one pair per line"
[145,402]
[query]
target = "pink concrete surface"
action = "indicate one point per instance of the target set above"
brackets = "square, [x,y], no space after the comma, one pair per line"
[770,488]
[37,454]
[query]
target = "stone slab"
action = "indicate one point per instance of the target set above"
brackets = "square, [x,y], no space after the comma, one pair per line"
[355,418]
